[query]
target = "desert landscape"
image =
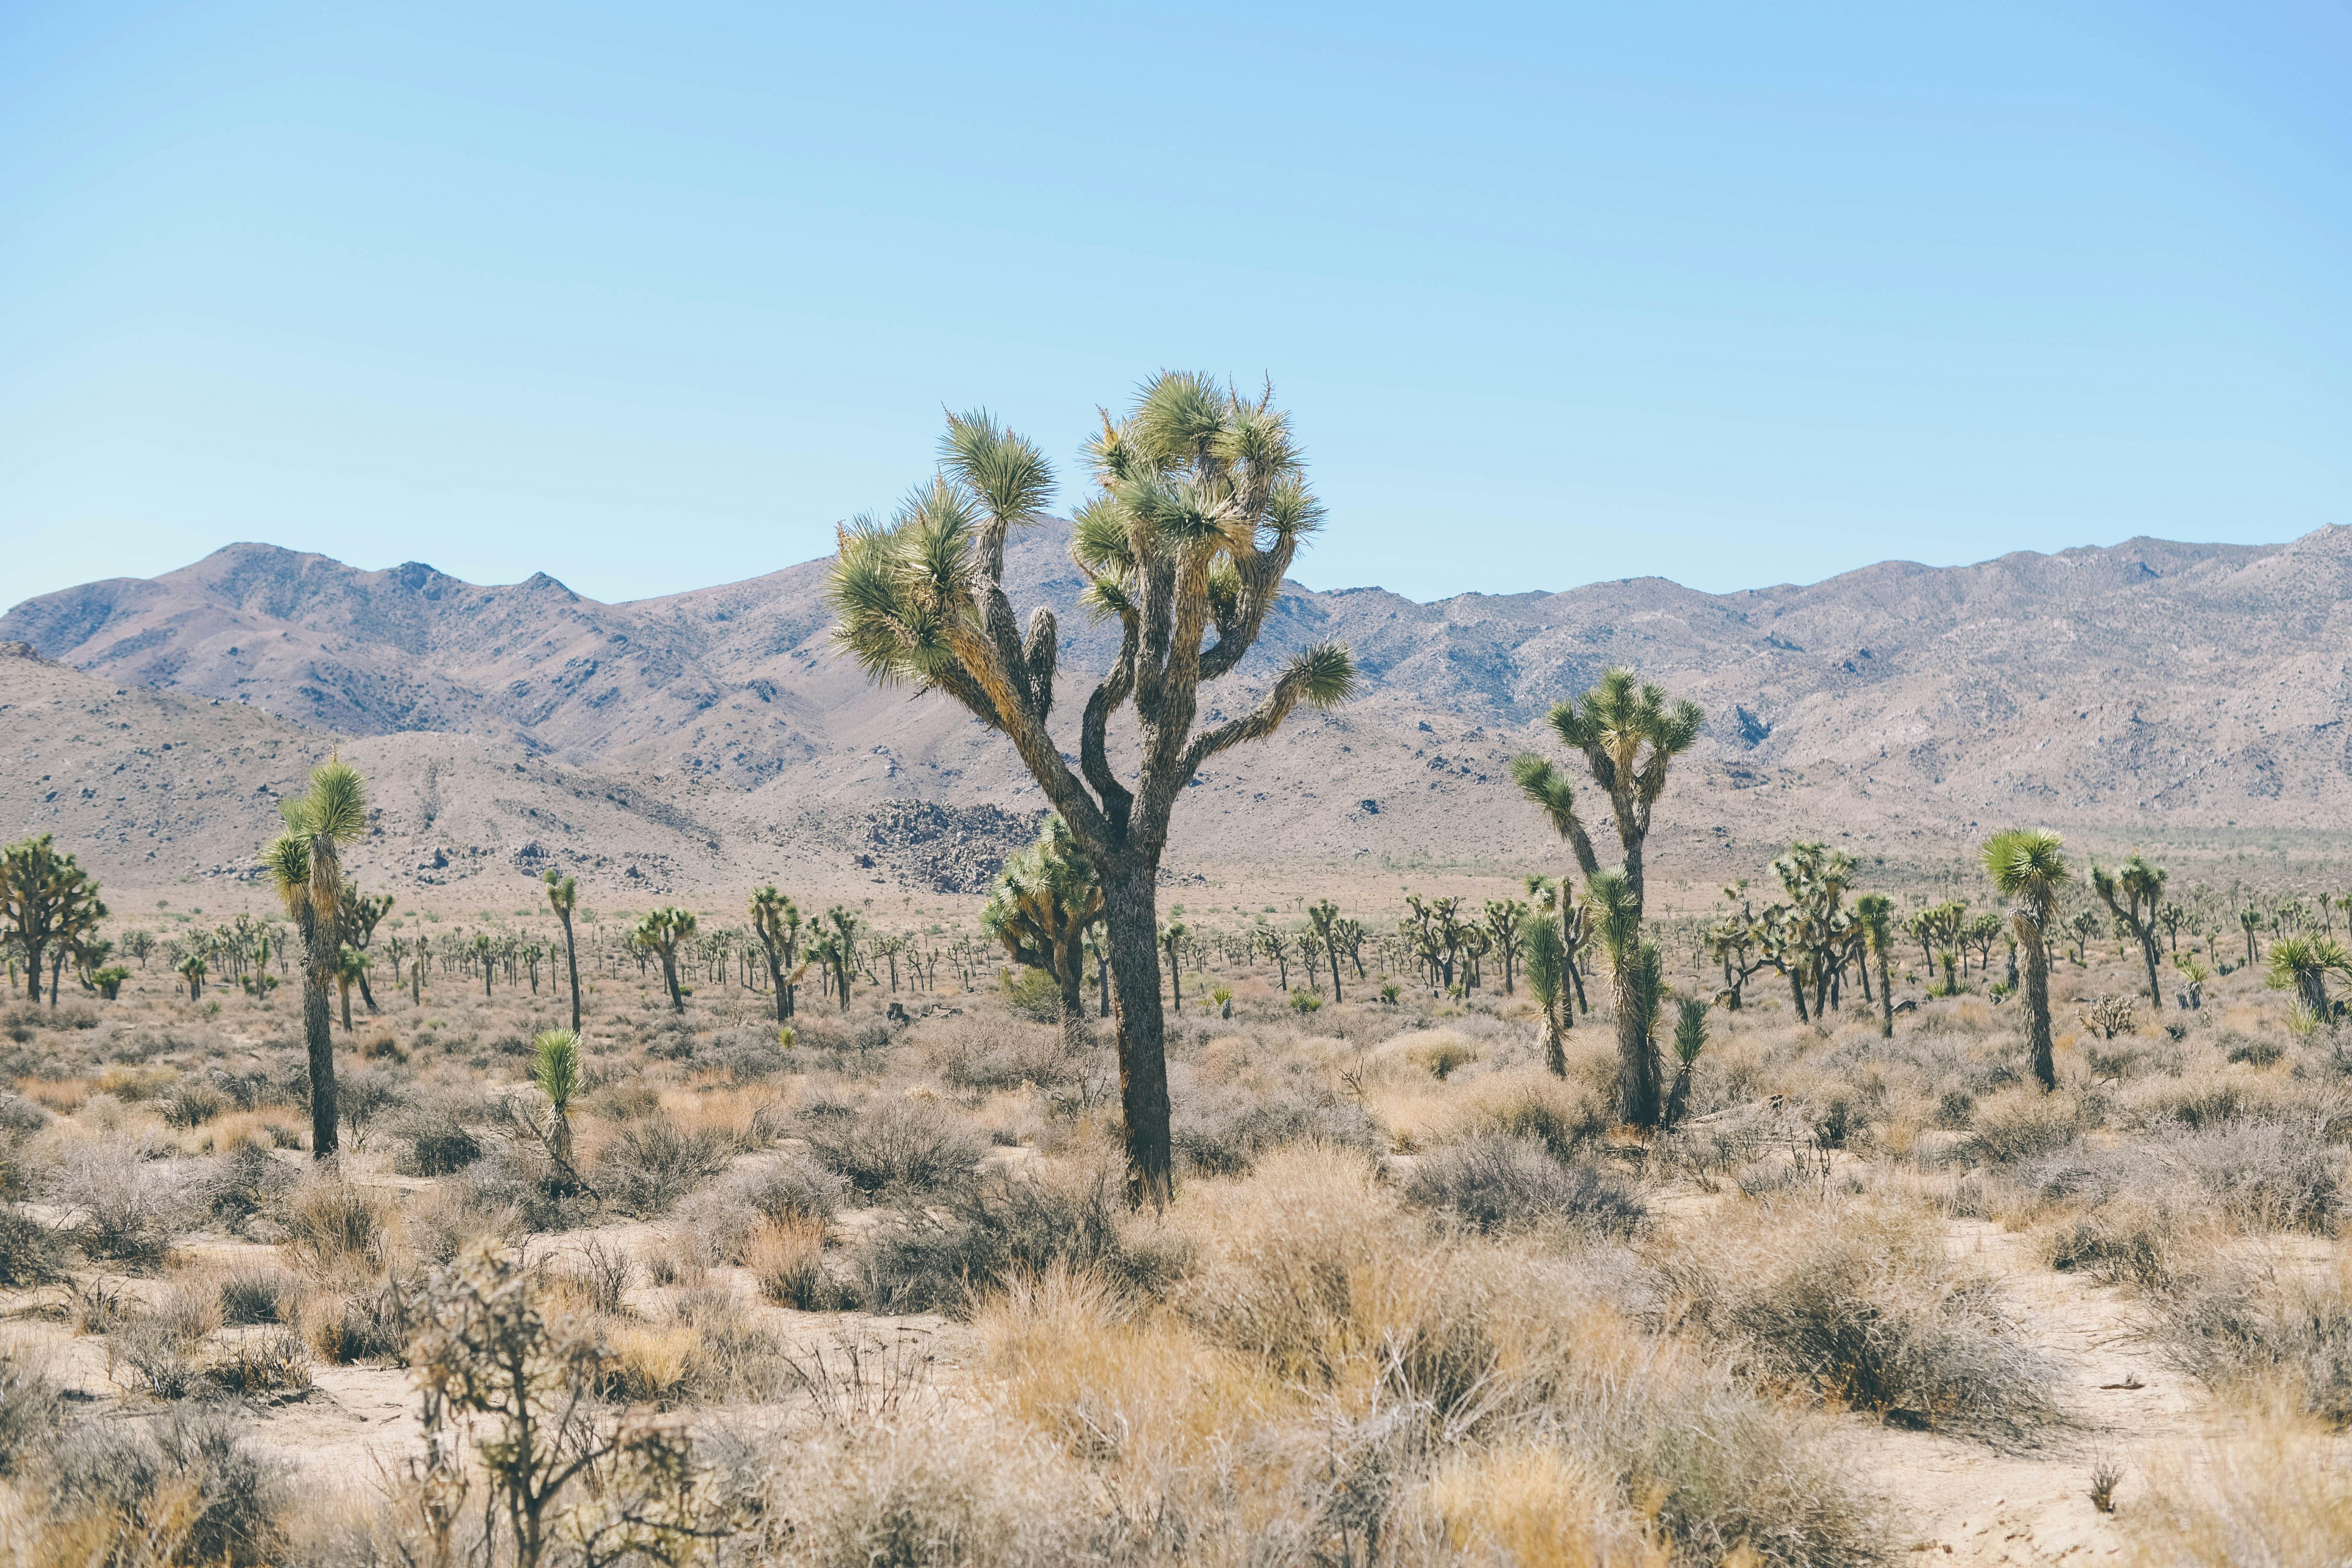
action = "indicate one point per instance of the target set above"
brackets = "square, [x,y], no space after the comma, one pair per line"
[585,1198]
[1272,787]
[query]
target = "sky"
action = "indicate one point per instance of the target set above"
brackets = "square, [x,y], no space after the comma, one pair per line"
[650,296]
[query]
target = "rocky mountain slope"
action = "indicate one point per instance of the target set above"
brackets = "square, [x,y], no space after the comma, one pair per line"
[2150,689]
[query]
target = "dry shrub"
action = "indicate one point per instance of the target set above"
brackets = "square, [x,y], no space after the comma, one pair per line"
[31,1252]
[651,1164]
[2019,1124]
[2276,1499]
[653,1364]
[1495,1183]
[1009,1226]
[940,1493]
[1311,1275]
[332,1224]
[2242,1327]
[915,1144]
[2277,1175]
[1532,1504]
[121,1205]
[184,1491]
[1858,1305]
[991,1051]
[1562,1114]
[31,1412]
[786,1257]
[2132,1239]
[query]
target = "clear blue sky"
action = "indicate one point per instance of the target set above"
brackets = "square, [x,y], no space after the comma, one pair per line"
[647,296]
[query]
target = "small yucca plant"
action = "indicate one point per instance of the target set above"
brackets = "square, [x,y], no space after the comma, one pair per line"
[556,1070]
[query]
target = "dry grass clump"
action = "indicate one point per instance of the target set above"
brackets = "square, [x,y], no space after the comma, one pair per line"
[188,1489]
[122,1207]
[940,1492]
[916,1145]
[1497,1182]
[991,1051]
[2246,1328]
[652,1163]
[335,1225]
[2022,1124]
[1857,1303]
[1008,1226]
[2278,1497]
[786,1258]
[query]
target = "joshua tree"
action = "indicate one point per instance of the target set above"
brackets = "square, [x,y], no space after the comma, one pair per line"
[2302,964]
[192,970]
[1326,917]
[1690,1039]
[484,954]
[839,944]
[1171,942]
[1628,733]
[2027,868]
[776,922]
[50,904]
[659,933]
[1045,899]
[556,1069]
[1275,944]
[306,864]
[563,897]
[138,944]
[2135,896]
[2249,921]
[351,969]
[1201,503]
[357,915]
[2172,917]
[2084,923]
[1876,914]
[1504,919]
[1548,978]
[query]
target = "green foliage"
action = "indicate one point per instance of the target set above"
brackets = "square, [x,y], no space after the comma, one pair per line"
[556,1067]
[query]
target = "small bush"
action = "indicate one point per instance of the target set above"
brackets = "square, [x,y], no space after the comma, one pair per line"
[1861,1308]
[1001,1228]
[980,1051]
[185,1491]
[2280,1175]
[1223,1130]
[786,1258]
[433,1141]
[2020,1124]
[257,1364]
[123,1207]
[31,1412]
[31,1252]
[652,1163]
[2238,1326]
[1494,1182]
[247,1182]
[192,1104]
[897,1142]
[369,1324]
[262,1294]
[332,1221]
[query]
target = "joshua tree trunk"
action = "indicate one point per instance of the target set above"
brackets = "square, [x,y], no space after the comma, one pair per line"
[1070,979]
[1130,940]
[2037,1009]
[318,1028]
[2154,987]
[1885,999]
[1797,989]
[1637,1055]
[33,971]
[572,959]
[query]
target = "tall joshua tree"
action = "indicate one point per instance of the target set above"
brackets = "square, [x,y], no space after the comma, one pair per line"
[1044,901]
[2302,964]
[563,897]
[2135,896]
[660,932]
[1324,916]
[1201,502]
[1628,733]
[47,901]
[2028,866]
[1876,914]
[776,922]
[305,863]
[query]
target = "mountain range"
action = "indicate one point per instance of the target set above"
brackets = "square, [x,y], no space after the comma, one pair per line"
[681,744]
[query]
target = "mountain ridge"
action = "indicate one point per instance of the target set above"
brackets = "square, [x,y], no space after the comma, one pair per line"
[2151,686]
